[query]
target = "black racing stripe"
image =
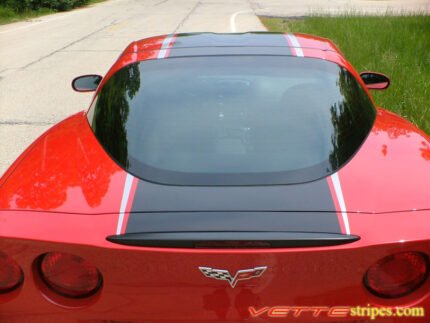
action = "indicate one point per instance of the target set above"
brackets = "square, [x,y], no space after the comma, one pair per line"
[305,207]
[311,197]
[234,221]
[245,39]
[212,44]
[220,51]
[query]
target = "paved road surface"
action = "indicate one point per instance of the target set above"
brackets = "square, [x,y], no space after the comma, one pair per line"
[39,58]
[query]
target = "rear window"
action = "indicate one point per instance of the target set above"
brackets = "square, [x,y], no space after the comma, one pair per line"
[232,120]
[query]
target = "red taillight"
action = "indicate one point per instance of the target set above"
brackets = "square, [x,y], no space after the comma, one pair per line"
[11,275]
[397,275]
[70,275]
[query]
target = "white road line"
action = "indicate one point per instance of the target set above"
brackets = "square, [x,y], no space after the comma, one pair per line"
[296,45]
[124,202]
[339,194]
[233,17]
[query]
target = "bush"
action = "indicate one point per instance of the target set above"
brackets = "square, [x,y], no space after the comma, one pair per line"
[60,5]
[6,13]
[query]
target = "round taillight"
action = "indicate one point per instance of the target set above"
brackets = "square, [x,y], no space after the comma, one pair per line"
[11,275]
[397,275]
[70,275]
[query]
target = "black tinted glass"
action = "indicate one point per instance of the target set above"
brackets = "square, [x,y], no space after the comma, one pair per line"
[232,120]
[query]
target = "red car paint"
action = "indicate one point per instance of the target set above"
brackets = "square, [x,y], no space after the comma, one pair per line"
[64,194]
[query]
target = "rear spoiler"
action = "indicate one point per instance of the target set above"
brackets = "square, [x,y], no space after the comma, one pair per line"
[232,239]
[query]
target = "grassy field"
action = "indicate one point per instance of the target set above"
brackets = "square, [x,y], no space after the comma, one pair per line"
[396,46]
[8,15]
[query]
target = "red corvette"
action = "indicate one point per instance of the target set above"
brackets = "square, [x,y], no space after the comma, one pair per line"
[221,178]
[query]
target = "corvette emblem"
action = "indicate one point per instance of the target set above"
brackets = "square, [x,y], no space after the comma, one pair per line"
[243,274]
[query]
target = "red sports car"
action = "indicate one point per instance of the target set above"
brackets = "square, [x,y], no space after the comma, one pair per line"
[221,178]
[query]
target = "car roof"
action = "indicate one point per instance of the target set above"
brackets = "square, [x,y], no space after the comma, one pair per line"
[251,43]
[249,39]
[221,44]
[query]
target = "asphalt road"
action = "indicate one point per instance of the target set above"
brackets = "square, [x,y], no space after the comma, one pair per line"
[39,58]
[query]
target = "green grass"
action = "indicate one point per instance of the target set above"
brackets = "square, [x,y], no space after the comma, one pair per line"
[396,46]
[8,15]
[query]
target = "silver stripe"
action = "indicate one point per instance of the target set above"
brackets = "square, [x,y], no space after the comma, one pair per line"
[296,45]
[165,47]
[339,195]
[124,201]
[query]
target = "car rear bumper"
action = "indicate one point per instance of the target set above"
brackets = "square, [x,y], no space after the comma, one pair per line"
[166,285]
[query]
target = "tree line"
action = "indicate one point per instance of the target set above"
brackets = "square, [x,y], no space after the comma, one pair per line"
[59,5]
